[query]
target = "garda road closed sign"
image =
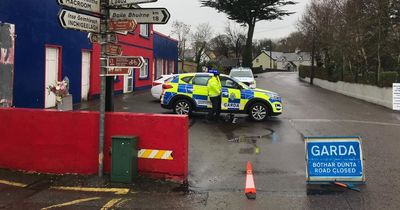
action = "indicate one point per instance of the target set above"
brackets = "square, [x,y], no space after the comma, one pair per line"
[334,159]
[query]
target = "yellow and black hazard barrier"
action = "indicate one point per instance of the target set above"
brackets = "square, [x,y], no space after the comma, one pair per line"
[155,154]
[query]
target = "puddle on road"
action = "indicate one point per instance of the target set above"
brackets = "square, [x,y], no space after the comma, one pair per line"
[252,140]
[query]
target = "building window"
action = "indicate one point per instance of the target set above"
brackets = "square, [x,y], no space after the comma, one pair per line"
[144,71]
[257,60]
[144,30]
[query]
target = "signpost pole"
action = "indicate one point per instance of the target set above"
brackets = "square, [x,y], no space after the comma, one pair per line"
[103,63]
[109,94]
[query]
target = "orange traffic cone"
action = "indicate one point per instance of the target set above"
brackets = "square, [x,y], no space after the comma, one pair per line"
[250,189]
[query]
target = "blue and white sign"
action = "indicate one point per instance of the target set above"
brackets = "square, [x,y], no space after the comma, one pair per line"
[334,159]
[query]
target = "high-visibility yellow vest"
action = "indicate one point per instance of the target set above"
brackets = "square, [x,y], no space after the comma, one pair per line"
[214,87]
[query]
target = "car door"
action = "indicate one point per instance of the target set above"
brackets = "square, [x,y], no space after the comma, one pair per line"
[200,91]
[231,95]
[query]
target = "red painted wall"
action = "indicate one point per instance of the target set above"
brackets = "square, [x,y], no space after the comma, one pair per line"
[132,44]
[50,141]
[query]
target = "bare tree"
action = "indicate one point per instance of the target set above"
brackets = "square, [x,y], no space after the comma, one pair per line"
[200,38]
[221,45]
[237,37]
[182,31]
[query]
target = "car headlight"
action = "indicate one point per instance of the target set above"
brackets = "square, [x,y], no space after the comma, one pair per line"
[274,96]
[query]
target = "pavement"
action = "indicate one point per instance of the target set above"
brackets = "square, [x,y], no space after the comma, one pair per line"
[219,151]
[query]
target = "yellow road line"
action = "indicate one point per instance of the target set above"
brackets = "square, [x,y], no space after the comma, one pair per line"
[15,184]
[111,203]
[117,191]
[71,203]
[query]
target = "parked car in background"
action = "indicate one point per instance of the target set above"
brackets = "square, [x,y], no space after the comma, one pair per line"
[244,75]
[156,90]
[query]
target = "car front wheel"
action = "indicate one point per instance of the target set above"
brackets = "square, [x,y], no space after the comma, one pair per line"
[258,112]
[182,107]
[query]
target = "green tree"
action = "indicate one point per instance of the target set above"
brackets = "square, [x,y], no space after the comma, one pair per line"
[249,12]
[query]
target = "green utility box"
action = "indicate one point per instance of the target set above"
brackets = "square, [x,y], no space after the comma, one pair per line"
[124,159]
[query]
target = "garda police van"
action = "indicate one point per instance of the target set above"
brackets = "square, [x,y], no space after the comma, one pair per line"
[185,93]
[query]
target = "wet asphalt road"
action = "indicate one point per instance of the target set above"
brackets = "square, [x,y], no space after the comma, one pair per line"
[217,159]
[219,151]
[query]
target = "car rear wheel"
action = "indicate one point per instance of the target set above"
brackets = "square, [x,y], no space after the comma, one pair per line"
[258,112]
[182,107]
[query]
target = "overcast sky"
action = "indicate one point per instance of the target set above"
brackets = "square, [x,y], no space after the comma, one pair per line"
[190,12]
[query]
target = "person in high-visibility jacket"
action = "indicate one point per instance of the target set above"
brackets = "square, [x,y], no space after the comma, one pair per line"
[214,92]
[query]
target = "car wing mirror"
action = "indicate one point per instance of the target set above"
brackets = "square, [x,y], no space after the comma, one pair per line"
[255,76]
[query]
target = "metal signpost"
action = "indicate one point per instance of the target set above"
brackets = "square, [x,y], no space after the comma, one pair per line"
[141,15]
[86,5]
[113,49]
[109,18]
[97,38]
[396,96]
[77,21]
[118,71]
[334,159]
[128,2]
[125,62]
[122,25]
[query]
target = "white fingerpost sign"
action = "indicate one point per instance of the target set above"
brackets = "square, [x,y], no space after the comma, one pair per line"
[87,5]
[396,96]
[77,21]
[128,2]
[141,15]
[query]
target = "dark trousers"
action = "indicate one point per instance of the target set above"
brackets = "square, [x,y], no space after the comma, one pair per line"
[216,107]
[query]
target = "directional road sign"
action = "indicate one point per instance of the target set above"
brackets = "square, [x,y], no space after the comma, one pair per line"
[121,25]
[141,15]
[87,5]
[127,2]
[125,62]
[113,49]
[118,71]
[77,21]
[97,39]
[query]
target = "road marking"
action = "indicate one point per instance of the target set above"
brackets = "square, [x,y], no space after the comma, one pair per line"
[15,184]
[71,203]
[348,121]
[117,191]
[111,203]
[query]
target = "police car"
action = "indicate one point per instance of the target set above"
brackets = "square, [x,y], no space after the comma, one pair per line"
[186,93]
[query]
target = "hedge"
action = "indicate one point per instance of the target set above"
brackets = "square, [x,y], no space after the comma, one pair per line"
[386,78]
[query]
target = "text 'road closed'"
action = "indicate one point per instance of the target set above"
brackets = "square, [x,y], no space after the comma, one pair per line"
[332,159]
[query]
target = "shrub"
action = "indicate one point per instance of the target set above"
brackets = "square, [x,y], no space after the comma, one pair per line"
[257,70]
[304,71]
[388,78]
[348,78]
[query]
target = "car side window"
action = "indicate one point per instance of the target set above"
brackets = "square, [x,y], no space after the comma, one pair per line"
[228,83]
[187,79]
[202,80]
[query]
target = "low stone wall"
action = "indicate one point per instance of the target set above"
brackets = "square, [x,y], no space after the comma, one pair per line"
[373,94]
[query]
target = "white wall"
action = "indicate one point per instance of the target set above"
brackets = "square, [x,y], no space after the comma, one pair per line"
[373,94]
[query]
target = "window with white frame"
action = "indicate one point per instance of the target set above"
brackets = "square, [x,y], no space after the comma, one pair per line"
[144,71]
[144,30]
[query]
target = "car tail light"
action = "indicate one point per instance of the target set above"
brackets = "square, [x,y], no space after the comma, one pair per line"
[156,83]
[166,86]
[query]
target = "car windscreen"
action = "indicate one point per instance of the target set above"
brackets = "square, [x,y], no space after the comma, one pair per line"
[240,83]
[241,74]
